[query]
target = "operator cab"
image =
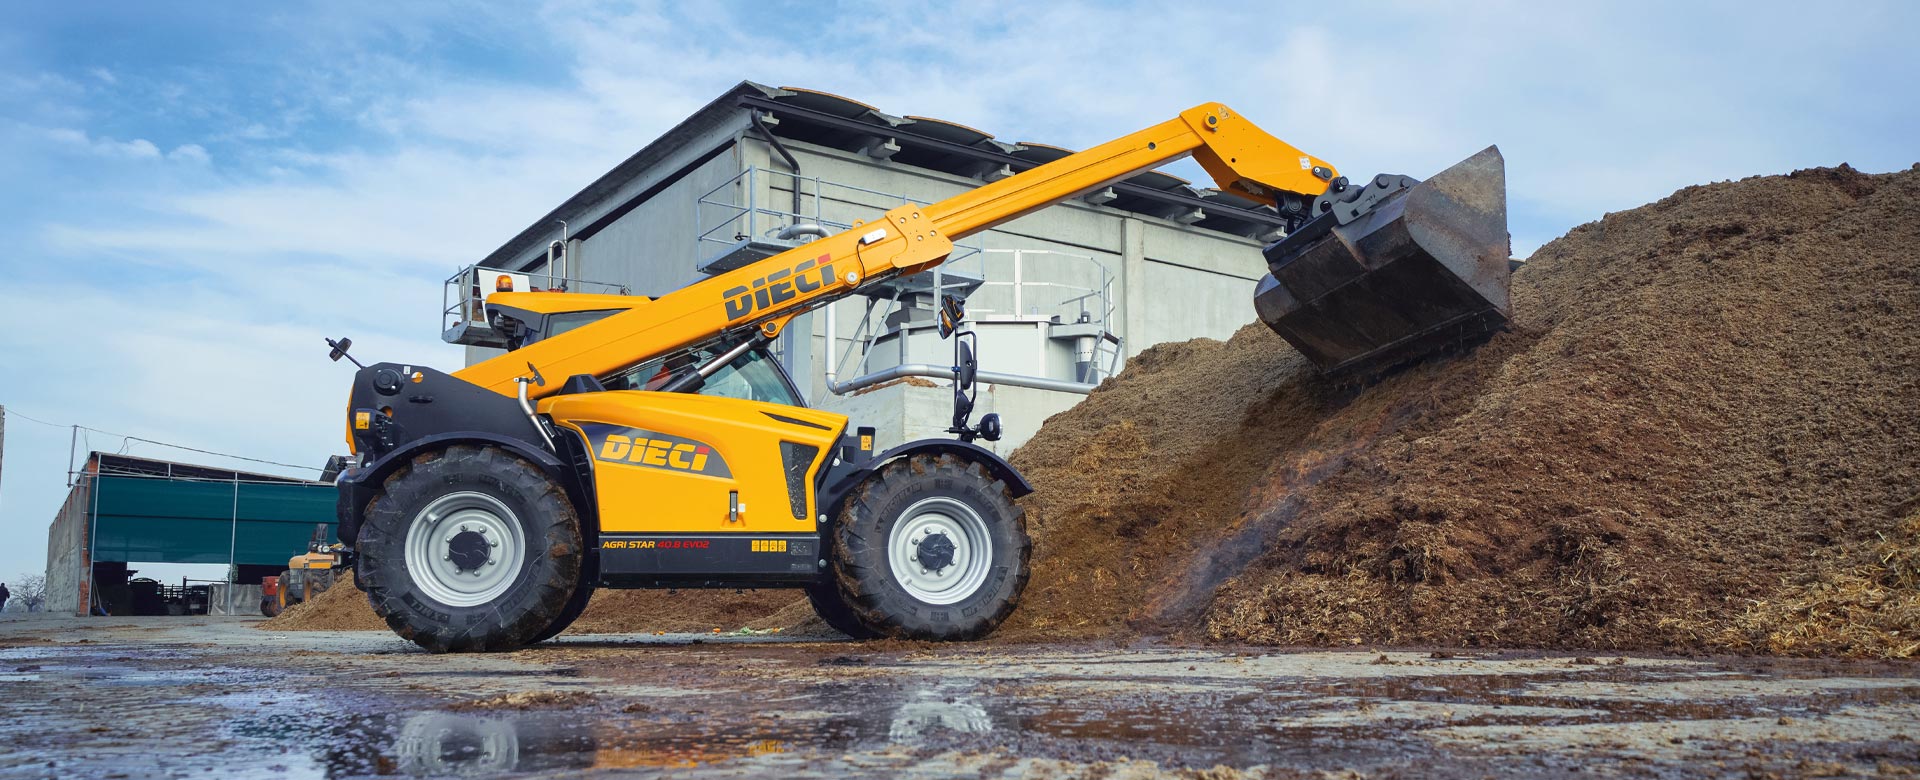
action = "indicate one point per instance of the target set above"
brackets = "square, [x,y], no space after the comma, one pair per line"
[756,375]
[524,318]
[531,317]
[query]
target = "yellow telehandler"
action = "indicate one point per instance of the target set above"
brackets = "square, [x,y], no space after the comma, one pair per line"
[306,576]
[485,506]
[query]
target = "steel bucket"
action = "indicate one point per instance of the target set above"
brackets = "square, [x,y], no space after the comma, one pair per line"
[1394,271]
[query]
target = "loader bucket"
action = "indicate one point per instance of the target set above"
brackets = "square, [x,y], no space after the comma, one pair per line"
[1395,270]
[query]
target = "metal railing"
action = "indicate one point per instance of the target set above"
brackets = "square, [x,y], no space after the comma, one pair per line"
[1043,298]
[463,295]
[1038,302]
[745,207]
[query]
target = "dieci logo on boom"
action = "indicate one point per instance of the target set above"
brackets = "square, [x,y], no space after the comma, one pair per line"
[653,450]
[779,287]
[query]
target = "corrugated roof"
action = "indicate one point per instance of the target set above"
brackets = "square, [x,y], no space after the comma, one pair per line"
[112,464]
[839,122]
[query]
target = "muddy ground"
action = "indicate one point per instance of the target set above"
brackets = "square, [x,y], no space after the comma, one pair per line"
[198,697]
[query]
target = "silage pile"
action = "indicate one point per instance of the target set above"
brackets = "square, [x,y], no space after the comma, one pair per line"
[1699,434]
[339,608]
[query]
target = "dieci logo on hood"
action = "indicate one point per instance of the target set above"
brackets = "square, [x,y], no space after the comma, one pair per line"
[778,287]
[650,449]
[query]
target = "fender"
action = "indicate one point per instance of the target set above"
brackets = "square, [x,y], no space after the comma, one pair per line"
[357,486]
[840,481]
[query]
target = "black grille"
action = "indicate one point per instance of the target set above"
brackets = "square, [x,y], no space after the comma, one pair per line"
[796,458]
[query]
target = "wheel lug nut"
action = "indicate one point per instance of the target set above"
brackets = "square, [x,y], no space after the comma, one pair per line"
[496,544]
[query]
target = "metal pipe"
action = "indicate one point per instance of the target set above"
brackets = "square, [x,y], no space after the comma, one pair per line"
[527,406]
[832,366]
[792,164]
[707,369]
[566,259]
[946,372]
[802,229]
[233,541]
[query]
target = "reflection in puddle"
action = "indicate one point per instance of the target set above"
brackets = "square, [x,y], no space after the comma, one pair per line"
[454,744]
[928,711]
[441,744]
[1365,723]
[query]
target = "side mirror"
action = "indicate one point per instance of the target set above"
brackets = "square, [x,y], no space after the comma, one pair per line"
[338,349]
[967,368]
[952,312]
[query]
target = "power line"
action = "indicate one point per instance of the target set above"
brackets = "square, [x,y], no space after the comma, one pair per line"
[16,413]
[126,439]
[221,454]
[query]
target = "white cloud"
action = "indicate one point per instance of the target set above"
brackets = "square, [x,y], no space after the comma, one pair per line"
[136,149]
[193,153]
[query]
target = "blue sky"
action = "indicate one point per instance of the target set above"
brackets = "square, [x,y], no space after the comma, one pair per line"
[195,193]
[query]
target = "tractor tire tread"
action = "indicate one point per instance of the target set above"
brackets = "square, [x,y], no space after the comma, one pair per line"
[861,574]
[547,515]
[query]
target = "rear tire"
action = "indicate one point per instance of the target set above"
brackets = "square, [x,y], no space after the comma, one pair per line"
[470,549]
[930,547]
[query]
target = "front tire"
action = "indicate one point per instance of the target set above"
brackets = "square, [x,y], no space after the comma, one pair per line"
[582,593]
[470,549]
[930,547]
[835,612]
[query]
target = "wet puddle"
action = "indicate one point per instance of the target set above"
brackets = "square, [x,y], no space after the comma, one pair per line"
[1280,723]
[801,711]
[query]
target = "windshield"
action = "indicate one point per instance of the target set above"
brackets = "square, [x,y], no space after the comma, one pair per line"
[555,324]
[753,376]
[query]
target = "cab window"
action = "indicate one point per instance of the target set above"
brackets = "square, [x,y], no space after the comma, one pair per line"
[553,325]
[566,321]
[753,376]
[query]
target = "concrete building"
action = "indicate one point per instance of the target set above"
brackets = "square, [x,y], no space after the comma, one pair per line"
[1059,298]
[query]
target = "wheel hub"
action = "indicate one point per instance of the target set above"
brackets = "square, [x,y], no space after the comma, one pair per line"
[468,550]
[935,552]
[465,549]
[940,551]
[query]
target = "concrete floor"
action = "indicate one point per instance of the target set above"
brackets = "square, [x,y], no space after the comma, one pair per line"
[197,697]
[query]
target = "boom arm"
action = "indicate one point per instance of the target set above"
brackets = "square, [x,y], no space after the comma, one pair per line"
[766,295]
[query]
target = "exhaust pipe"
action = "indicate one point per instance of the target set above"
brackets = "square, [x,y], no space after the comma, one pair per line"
[1395,270]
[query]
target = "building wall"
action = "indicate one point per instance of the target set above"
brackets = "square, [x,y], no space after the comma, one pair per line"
[1161,269]
[652,249]
[1169,281]
[67,551]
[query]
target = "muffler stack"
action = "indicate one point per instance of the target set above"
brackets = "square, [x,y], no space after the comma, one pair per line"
[1394,270]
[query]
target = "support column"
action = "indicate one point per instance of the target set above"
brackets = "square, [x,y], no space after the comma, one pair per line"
[1133,278]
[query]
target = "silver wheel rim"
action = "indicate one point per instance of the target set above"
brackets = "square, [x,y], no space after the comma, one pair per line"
[972,550]
[430,548]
